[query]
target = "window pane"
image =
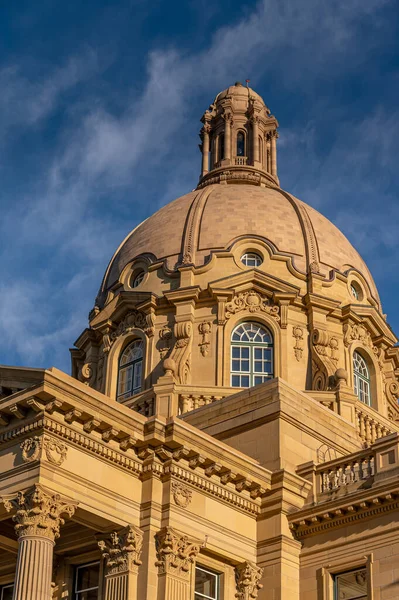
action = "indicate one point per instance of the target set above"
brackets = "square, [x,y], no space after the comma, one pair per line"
[244,381]
[88,595]
[125,380]
[87,577]
[206,584]
[245,352]
[351,586]
[235,381]
[6,592]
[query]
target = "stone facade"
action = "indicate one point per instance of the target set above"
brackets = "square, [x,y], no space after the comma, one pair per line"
[190,483]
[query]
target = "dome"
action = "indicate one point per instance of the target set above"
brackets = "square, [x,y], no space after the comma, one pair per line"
[239,91]
[211,218]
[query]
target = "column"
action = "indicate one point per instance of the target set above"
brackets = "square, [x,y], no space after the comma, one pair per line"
[205,148]
[122,552]
[273,153]
[38,515]
[268,154]
[248,577]
[255,141]
[176,558]
[227,135]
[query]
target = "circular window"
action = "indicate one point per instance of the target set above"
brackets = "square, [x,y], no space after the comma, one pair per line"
[356,291]
[137,278]
[251,259]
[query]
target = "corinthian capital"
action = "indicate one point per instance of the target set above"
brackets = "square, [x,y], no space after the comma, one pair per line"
[248,576]
[122,551]
[38,512]
[176,552]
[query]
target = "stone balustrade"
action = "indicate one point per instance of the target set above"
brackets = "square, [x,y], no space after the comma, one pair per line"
[143,403]
[370,425]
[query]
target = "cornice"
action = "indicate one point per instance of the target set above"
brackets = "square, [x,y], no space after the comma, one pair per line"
[344,511]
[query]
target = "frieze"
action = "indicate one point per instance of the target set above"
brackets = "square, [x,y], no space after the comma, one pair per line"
[253,302]
[33,449]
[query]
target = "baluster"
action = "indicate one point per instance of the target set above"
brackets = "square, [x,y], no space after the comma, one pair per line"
[373,431]
[378,430]
[195,401]
[184,404]
[362,428]
[343,478]
[352,473]
[367,429]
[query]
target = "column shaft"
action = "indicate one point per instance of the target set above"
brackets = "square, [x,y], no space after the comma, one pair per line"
[227,139]
[255,143]
[273,153]
[34,569]
[205,153]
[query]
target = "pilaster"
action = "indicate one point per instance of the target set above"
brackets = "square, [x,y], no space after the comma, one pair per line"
[122,552]
[176,557]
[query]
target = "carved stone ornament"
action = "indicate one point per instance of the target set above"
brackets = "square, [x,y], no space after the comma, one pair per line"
[253,302]
[205,330]
[34,447]
[122,551]
[88,372]
[297,332]
[181,494]
[181,353]
[324,359]
[248,576]
[176,552]
[135,319]
[38,512]
[165,335]
[357,333]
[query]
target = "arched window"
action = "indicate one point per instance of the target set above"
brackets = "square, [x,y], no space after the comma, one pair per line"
[251,355]
[221,146]
[130,370]
[260,145]
[361,378]
[240,144]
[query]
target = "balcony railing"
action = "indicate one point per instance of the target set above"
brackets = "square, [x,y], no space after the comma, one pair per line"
[240,160]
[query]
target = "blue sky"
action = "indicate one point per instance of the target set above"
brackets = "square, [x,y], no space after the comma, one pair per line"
[99,118]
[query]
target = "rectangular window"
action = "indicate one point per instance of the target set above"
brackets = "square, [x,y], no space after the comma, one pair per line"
[6,592]
[351,585]
[207,584]
[87,580]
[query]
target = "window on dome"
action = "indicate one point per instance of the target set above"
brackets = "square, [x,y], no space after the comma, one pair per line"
[130,370]
[137,278]
[361,378]
[240,144]
[260,144]
[207,584]
[356,290]
[251,259]
[251,355]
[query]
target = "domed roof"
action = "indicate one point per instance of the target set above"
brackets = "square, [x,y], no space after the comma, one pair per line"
[213,217]
[238,90]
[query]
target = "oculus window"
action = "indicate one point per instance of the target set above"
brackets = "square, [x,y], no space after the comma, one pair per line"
[130,370]
[251,355]
[87,579]
[361,378]
[207,584]
[251,259]
[137,278]
[351,585]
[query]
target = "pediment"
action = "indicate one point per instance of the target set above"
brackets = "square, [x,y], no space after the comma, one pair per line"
[256,280]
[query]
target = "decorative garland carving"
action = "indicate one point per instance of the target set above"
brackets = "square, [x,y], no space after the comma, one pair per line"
[248,576]
[181,353]
[324,358]
[38,512]
[357,333]
[176,552]
[205,329]
[297,332]
[253,302]
[181,494]
[33,448]
[122,551]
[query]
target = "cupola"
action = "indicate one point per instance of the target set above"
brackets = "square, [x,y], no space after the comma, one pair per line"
[238,139]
